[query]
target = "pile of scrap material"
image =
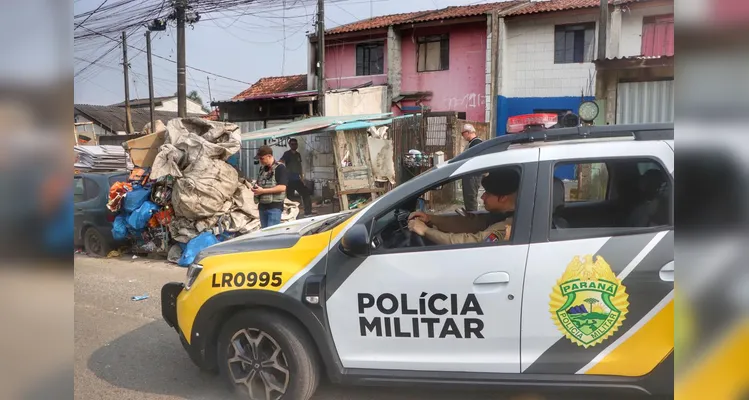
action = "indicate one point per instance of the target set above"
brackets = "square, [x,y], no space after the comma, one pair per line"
[191,191]
[100,158]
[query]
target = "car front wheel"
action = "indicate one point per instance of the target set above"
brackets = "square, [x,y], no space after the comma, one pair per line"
[264,356]
[95,243]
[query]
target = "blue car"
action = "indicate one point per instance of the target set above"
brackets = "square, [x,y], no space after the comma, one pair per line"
[93,221]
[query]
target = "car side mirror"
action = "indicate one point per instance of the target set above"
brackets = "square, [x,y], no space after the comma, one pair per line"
[355,241]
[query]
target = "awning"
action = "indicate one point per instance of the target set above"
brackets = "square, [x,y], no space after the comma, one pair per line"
[270,96]
[316,124]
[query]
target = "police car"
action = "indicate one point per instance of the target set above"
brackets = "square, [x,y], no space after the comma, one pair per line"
[579,296]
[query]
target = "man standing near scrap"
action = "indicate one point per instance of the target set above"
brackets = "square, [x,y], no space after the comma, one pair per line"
[293,161]
[471,183]
[270,188]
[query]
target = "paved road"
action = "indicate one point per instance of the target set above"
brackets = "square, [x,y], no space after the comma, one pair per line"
[124,350]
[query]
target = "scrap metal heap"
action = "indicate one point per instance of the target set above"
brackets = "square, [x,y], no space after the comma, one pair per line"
[188,196]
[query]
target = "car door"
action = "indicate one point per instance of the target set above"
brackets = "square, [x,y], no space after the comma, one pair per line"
[79,196]
[449,308]
[598,300]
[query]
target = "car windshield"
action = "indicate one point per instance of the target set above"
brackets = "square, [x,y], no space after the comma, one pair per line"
[329,223]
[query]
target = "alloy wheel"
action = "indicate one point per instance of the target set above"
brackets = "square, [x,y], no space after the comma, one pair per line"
[258,365]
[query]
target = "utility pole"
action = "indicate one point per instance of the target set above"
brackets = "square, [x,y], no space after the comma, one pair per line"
[603,23]
[210,96]
[181,62]
[125,66]
[150,79]
[321,57]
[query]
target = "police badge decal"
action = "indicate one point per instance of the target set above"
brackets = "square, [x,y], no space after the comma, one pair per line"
[588,303]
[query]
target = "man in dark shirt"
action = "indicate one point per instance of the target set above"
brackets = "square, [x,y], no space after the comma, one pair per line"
[270,188]
[293,161]
[471,183]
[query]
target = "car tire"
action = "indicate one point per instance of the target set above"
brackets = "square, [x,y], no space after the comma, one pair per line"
[279,344]
[94,243]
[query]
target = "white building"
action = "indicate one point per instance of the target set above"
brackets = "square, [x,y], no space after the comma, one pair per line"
[546,53]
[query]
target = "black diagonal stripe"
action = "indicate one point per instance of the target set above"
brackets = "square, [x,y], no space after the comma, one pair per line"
[645,290]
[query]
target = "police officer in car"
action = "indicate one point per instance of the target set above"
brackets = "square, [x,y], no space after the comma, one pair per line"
[501,187]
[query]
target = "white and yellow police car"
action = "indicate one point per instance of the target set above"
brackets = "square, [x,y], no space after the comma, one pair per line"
[579,295]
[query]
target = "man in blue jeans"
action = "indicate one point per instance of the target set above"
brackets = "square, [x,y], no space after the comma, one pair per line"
[270,188]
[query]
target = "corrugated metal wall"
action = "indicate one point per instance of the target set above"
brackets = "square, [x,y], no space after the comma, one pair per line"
[249,148]
[645,102]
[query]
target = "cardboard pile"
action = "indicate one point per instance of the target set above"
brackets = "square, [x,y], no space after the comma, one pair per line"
[100,158]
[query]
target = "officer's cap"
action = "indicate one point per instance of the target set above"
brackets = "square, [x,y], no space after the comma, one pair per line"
[502,182]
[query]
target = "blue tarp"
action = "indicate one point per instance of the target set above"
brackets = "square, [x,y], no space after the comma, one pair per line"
[195,246]
[134,199]
[139,218]
[119,228]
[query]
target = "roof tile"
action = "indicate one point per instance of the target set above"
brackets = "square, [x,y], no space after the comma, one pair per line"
[113,117]
[422,16]
[537,7]
[274,84]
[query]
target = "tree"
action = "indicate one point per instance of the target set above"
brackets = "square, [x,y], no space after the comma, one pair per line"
[195,96]
[591,302]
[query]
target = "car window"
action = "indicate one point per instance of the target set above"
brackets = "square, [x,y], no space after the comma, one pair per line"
[92,189]
[78,190]
[390,232]
[610,197]
[584,181]
[118,178]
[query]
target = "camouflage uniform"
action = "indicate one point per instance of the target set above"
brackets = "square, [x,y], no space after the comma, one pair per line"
[473,228]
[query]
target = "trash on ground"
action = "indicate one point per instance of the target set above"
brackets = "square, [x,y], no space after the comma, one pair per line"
[139,298]
[113,254]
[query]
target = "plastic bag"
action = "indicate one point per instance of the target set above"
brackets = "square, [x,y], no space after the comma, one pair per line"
[135,199]
[119,228]
[139,218]
[116,193]
[195,246]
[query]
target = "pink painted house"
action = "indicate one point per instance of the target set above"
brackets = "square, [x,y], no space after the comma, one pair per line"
[434,59]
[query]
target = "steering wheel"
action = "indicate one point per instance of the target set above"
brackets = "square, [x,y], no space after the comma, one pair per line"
[410,239]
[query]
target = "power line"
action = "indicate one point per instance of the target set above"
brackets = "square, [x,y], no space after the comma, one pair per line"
[92,13]
[170,60]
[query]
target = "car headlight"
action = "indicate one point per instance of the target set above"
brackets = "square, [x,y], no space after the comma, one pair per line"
[192,273]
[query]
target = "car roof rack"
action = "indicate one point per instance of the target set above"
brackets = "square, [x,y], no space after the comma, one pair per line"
[659,131]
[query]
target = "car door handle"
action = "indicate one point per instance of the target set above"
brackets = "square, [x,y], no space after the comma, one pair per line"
[492,278]
[667,272]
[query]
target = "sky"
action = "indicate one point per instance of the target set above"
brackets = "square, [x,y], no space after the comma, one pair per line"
[244,49]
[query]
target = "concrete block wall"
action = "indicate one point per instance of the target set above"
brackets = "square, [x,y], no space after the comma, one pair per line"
[531,71]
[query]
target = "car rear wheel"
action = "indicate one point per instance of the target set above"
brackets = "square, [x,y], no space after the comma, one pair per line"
[94,243]
[264,356]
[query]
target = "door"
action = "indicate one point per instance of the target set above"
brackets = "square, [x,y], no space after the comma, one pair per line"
[446,308]
[598,294]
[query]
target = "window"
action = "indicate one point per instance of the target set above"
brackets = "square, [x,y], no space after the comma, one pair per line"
[658,36]
[574,43]
[390,232]
[610,197]
[92,189]
[79,192]
[370,59]
[118,178]
[590,182]
[433,53]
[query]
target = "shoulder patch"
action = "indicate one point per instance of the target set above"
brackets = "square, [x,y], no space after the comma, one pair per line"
[492,238]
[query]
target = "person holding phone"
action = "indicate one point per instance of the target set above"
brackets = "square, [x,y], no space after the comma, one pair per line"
[270,187]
